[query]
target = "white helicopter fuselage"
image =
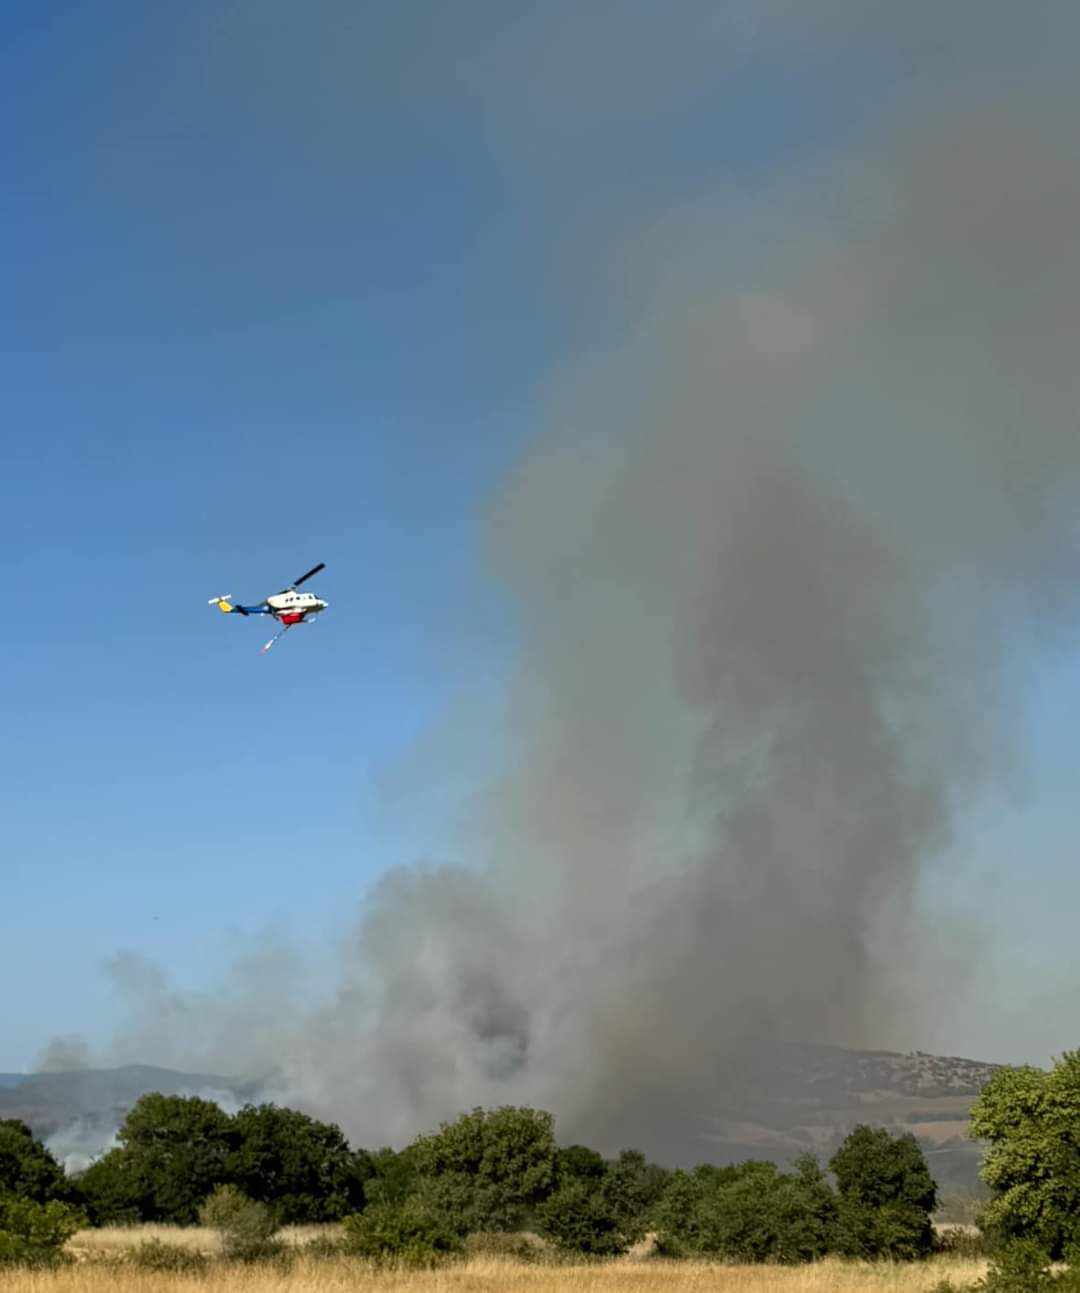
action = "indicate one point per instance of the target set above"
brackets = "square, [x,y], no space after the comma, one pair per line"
[294,603]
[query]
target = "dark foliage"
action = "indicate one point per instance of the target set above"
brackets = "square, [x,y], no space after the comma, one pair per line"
[303,1167]
[174,1151]
[750,1213]
[26,1166]
[488,1169]
[34,1234]
[886,1195]
[409,1232]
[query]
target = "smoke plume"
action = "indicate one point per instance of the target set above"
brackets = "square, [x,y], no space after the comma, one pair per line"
[788,527]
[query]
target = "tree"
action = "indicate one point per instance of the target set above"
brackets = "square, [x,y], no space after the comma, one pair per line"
[114,1190]
[1031,1118]
[174,1151]
[578,1163]
[392,1176]
[303,1167]
[886,1195]
[27,1169]
[752,1212]
[488,1168]
[600,1212]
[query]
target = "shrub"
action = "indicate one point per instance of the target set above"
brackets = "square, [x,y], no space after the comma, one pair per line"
[153,1255]
[580,1218]
[494,1244]
[246,1227]
[1019,1267]
[409,1232]
[34,1234]
[487,1169]
[955,1241]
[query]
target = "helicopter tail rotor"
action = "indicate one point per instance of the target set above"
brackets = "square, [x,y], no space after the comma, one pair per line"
[225,606]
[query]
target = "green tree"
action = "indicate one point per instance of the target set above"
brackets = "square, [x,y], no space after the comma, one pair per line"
[27,1169]
[115,1190]
[392,1175]
[886,1195]
[175,1150]
[303,1167]
[1031,1118]
[487,1169]
[600,1212]
[578,1163]
[752,1212]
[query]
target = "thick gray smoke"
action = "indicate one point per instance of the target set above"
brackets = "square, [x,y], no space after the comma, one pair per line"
[774,555]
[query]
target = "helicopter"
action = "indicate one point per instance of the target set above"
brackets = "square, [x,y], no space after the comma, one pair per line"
[288,607]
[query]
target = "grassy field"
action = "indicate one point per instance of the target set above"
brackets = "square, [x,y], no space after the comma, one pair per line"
[101,1268]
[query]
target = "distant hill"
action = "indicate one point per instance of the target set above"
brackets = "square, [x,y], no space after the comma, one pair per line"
[77,1113]
[774,1100]
[782,1099]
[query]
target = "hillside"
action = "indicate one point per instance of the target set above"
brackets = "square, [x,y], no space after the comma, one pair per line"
[790,1098]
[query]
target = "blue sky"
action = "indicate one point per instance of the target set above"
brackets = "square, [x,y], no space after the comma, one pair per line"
[281,285]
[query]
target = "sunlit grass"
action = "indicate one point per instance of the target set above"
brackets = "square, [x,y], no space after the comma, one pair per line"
[101,1268]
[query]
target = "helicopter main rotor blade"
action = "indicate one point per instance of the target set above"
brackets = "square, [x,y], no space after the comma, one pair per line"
[313,571]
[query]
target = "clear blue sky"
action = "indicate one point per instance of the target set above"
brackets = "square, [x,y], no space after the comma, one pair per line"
[277,291]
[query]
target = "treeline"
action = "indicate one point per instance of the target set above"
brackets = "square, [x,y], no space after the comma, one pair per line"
[495,1170]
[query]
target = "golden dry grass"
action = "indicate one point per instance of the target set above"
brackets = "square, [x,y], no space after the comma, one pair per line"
[114,1241]
[503,1277]
[100,1270]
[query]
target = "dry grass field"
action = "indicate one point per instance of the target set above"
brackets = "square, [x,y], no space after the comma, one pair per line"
[101,1267]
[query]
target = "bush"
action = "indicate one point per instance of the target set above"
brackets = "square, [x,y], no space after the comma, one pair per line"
[1020,1267]
[955,1241]
[487,1169]
[580,1218]
[153,1255]
[246,1227]
[34,1234]
[409,1232]
[497,1245]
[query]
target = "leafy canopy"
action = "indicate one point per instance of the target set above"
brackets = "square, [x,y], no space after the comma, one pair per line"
[1031,1118]
[26,1166]
[487,1169]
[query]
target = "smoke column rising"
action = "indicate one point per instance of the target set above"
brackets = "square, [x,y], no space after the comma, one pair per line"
[772,556]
